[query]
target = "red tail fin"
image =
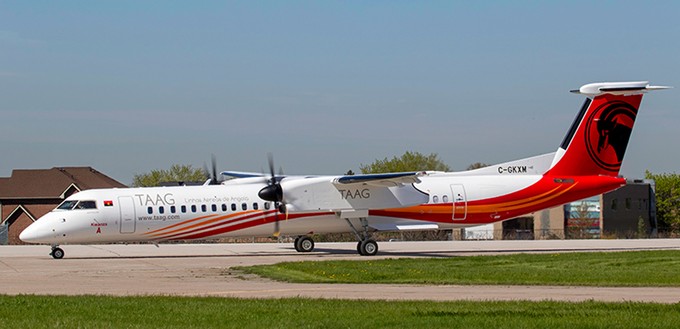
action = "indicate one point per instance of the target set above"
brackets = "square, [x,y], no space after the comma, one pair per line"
[598,138]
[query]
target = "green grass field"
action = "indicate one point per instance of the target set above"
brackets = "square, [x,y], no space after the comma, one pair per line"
[186,312]
[636,268]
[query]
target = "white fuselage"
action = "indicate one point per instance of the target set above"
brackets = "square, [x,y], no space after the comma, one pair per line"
[235,210]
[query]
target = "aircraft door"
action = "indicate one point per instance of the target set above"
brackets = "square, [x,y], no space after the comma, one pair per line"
[459,202]
[127,214]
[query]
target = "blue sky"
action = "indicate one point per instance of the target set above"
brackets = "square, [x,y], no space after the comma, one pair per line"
[130,86]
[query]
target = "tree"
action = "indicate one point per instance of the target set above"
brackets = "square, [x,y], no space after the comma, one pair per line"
[410,161]
[667,199]
[477,165]
[176,173]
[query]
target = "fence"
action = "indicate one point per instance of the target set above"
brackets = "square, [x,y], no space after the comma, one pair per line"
[4,237]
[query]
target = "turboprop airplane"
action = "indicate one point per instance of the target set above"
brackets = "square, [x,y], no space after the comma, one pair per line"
[586,163]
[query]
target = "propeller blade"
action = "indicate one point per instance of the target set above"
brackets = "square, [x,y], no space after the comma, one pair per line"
[270,157]
[273,192]
[277,229]
[214,170]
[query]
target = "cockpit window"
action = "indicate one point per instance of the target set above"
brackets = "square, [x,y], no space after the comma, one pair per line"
[67,205]
[86,205]
[75,204]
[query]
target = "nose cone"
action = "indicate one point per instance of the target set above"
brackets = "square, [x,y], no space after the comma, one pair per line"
[37,232]
[29,234]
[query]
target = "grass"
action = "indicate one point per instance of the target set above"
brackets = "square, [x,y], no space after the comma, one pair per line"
[186,312]
[635,268]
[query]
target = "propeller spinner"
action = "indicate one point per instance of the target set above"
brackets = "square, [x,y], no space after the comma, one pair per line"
[274,192]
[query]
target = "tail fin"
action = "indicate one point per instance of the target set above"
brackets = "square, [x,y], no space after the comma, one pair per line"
[597,140]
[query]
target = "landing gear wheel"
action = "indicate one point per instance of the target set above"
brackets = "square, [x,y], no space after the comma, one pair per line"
[368,247]
[297,244]
[57,253]
[304,244]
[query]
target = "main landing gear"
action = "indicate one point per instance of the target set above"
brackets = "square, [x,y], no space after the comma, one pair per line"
[57,253]
[366,245]
[304,244]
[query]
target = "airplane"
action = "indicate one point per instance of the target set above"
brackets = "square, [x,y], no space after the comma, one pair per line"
[586,163]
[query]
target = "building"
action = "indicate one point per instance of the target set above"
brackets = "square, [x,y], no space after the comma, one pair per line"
[628,212]
[30,193]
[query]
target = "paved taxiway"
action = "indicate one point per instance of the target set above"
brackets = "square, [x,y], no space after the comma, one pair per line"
[204,270]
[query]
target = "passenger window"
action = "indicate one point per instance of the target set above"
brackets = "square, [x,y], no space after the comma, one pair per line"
[149,210]
[435,199]
[255,206]
[233,207]
[214,208]
[184,209]
[204,208]
[161,210]
[224,207]
[173,209]
[244,206]
[445,198]
[266,205]
[193,208]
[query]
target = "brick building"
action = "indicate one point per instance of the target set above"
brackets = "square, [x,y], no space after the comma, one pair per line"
[30,193]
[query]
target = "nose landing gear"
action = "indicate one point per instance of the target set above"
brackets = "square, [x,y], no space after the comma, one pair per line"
[57,253]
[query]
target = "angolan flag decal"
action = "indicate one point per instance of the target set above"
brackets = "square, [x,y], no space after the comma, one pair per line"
[108,203]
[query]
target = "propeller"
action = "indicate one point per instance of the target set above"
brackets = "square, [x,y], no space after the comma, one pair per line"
[273,192]
[213,172]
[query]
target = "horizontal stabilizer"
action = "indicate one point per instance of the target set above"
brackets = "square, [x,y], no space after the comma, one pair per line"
[616,88]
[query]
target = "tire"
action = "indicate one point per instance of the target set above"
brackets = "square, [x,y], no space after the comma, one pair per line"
[306,244]
[57,253]
[368,248]
[297,244]
[359,248]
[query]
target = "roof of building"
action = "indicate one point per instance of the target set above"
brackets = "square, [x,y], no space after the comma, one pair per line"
[52,183]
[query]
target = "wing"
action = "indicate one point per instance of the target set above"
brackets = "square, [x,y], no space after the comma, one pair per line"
[383,180]
[241,174]
[353,193]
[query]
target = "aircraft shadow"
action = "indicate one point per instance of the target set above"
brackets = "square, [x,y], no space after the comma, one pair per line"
[327,251]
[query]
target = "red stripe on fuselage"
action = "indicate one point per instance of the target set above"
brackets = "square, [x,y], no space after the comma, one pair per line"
[551,193]
[245,225]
